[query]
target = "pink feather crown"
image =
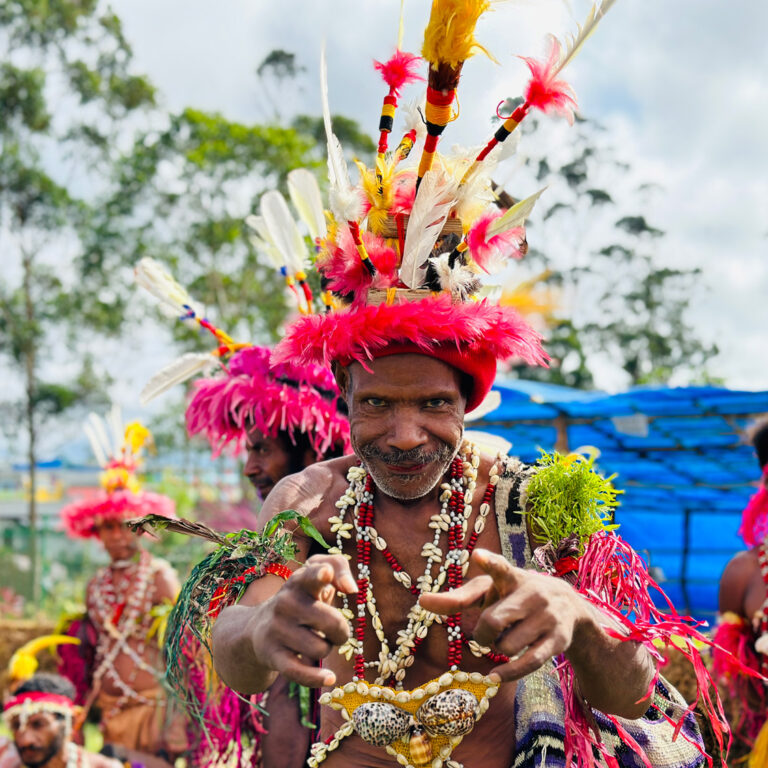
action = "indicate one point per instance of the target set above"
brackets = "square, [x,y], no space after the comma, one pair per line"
[288,397]
[81,519]
[120,496]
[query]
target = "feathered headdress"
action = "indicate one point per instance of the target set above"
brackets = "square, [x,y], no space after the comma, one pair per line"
[248,392]
[118,451]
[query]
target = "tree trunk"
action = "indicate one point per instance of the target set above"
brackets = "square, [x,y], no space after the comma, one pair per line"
[31,386]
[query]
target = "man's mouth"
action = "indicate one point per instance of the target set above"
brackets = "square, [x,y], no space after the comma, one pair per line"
[262,484]
[407,469]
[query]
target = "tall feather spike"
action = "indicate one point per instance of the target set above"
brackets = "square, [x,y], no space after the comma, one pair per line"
[283,231]
[174,300]
[308,202]
[177,372]
[436,197]
[345,203]
[515,216]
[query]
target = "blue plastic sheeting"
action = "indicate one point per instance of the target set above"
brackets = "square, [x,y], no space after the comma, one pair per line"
[679,456]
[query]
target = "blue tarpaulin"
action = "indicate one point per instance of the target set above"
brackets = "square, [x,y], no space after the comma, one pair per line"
[680,457]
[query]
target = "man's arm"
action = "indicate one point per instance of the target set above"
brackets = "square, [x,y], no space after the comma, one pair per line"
[285,626]
[532,617]
[734,582]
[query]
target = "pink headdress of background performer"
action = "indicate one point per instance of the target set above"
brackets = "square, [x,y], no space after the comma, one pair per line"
[247,392]
[118,451]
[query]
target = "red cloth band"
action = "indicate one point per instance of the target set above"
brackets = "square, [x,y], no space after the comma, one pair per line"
[39,697]
[430,142]
[439,98]
[278,569]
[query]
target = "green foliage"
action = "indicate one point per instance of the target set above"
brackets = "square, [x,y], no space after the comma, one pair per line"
[566,496]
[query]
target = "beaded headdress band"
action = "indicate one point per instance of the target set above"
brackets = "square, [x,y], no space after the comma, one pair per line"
[27,704]
[118,451]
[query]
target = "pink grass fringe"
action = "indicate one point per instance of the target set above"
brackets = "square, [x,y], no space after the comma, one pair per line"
[399,70]
[754,518]
[545,92]
[287,397]
[491,254]
[614,578]
[81,518]
[734,649]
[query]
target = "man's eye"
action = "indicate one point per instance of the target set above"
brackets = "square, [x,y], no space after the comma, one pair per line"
[436,402]
[376,402]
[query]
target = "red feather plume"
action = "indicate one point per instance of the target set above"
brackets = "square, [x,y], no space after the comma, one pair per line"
[399,70]
[544,91]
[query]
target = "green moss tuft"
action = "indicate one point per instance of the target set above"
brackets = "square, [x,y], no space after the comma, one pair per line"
[567,496]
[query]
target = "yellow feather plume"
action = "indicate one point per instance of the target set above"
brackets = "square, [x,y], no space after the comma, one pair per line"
[532,298]
[23,663]
[136,436]
[379,188]
[450,35]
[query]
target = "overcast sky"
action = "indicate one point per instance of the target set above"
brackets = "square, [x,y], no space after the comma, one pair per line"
[682,86]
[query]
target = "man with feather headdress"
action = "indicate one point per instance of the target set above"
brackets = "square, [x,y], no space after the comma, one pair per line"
[468,610]
[125,601]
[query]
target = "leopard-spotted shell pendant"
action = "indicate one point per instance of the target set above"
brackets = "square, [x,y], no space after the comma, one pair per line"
[450,713]
[379,723]
[419,747]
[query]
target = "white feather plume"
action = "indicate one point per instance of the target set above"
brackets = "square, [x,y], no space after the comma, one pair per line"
[476,190]
[346,204]
[573,43]
[515,216]
[458,280]
[307,200]
[153,277]
[177,372]
[413,119]
[261,241]
[283,231]
[434,200]
[114,420]
[97,437]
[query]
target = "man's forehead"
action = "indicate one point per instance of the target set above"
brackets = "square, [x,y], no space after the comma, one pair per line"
[403,371]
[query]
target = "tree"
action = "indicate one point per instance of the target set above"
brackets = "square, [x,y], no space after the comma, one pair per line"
[627,305]
[66,95]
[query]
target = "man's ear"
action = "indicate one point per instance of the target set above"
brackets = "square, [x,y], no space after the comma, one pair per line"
[341,374]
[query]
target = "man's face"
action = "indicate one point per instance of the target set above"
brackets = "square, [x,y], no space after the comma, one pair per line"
[39,738]
[268,462]
[118,540]
[406,420]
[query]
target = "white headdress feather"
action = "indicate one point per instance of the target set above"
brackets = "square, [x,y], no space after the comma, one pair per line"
[307,200]
[177,372]
[153,277]
[436,197]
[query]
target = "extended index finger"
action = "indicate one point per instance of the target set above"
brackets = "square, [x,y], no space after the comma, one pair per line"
[446,603]
[505,575]
[321,571]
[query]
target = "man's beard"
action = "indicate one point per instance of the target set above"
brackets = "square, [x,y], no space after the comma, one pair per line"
[410,487]
[45,754]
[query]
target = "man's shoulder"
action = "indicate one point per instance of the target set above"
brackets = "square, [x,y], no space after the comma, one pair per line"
[308,491]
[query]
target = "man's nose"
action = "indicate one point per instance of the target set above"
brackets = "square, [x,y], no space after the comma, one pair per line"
[24,738]
[406,431]
[252,466]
